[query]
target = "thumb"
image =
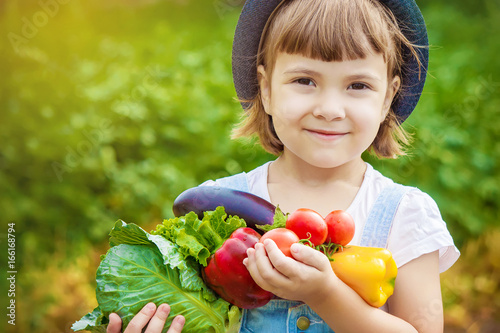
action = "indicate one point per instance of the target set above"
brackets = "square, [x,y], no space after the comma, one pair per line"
[115,324]
[310,256]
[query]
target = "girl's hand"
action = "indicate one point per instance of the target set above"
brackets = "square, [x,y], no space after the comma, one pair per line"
[149,314]
[306,279]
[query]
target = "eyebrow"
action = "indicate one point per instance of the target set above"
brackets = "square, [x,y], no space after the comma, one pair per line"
[301,70]
[307,71]
[364,76]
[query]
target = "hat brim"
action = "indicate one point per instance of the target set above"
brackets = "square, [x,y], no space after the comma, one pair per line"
[254,17]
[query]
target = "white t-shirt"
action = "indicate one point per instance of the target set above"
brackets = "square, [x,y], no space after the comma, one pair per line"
[417,229]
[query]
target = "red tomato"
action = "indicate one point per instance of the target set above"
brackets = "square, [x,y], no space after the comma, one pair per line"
[340,227]
[284,238]
[308,224]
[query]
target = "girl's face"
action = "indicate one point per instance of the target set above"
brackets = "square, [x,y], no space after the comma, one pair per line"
[327,113]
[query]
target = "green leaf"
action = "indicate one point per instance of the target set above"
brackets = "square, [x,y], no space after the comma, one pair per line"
[221,224]
[130,276]
[279,221]
[200,239]
[123,233]
[234,316]
[93,322]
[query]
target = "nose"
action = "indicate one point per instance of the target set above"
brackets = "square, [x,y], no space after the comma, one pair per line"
[330,106]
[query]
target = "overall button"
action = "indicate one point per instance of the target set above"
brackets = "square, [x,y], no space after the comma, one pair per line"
[303,323]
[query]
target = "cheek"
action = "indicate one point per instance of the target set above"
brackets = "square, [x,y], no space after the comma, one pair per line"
[282,119]
[286,109]
[289,105]
[367,119]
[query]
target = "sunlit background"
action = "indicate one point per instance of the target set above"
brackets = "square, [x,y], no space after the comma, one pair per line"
[110,109]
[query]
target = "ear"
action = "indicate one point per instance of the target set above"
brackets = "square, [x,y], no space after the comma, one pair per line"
[265,87]
[392,88]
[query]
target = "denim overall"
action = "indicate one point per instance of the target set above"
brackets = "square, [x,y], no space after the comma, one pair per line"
[284,316]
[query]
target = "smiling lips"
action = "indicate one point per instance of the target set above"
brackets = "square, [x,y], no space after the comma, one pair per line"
[326,134]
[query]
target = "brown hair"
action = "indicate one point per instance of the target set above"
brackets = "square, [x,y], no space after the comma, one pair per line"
[330,30]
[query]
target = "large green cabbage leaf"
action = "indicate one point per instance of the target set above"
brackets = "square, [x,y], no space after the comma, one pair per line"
[140,268]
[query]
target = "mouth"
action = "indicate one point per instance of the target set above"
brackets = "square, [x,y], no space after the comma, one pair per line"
[326,134]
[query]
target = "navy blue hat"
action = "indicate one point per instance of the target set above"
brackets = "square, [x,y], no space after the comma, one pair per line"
[253,19]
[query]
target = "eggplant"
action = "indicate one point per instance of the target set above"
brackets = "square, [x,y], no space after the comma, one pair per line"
[253,209]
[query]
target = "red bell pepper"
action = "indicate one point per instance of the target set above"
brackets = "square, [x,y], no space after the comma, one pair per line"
[229,278]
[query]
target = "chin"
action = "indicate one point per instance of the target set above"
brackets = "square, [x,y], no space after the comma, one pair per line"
[330,161]
[325,163]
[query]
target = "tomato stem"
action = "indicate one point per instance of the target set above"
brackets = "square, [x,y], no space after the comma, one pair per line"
[306,241]
[329,249]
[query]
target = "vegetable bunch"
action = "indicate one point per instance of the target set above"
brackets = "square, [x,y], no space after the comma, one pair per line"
[194,262]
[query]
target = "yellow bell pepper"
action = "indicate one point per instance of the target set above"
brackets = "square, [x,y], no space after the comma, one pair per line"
[369,271]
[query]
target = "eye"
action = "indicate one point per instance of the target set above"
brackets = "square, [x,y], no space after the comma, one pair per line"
[305,82]
[358,86]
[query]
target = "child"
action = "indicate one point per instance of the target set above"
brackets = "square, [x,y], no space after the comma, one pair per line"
[334,78]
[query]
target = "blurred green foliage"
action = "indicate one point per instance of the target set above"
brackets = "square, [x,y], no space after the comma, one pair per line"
[457,143]
[471,288]
[111,109]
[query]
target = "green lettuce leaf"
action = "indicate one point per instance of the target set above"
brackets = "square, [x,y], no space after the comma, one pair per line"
[279,221]
[199,239]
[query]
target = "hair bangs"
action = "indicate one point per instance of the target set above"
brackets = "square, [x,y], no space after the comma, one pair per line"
[329,30]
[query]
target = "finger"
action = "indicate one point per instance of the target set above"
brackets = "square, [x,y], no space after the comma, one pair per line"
[283,264]
[157,323]
[261,259]
[177,324]
[251,264]
[115,324]
[266,275]
[141,319]
[310,256]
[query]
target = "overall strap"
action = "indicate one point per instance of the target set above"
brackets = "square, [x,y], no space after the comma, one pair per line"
[235,182]
[379,221]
